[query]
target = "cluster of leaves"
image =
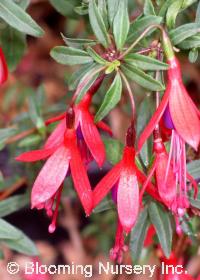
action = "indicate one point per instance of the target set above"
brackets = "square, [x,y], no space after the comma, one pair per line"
[110,22]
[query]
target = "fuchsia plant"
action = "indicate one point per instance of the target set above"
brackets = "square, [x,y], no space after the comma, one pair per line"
[76,140]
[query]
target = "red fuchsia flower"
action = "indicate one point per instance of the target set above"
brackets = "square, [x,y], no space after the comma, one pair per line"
[3,68]
[89,140]
[182,117]
[126,176]
[63,157]
[163,171]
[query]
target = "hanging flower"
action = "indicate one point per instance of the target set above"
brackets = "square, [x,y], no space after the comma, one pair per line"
[163,171]
[88,136]
[182,117]
[3,68]
[126,176]
[63,157]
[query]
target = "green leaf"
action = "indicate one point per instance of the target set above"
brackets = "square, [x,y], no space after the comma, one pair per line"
[172,13]
[184,31]
[193,55]
[78,43]
[86,82]
[190,43]
[161,220]
[5,134]
[114,149]
[23,3]
[7,231]
[195,202]
[81,10]
[64,7]
[13,204]
[103,11]
[70,56]
[19,19]
[14,45]
[104,205]
[78,75]
[197,20]
[30,141]
[97,24]
[149,8]
[96,57]
[121,24]
[193,169]
[112,97]
[164,7]
[22,245]
[141,78]
[35,113]
[112,10]
[138,234]
[145,62]
[139,25]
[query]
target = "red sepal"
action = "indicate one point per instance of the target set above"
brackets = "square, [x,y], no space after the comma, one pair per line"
[36,155]
[50,177]
[3,68]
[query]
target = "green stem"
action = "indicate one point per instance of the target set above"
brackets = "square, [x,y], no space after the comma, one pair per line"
[129,93]
[167,46]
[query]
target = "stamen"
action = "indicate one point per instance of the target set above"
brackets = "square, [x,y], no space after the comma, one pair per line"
[52,226]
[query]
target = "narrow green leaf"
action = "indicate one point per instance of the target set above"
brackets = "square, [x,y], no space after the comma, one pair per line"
[172,13]
[22,245]
[138,234]
[7,231]
[149,8]
[102,6]
[6,133]
[164,7]
[193,55]
[161,220]
[112,10]
[121,24]
[145,62]
[64,7]
[190,43]
[70,56]
[78,75]
[19,19]
[184,31]
[35,113]
[114,149]
[141,78]
[13,44]
[195,202]
[193,169]
[197,20]
[23,3]
[97,24]
[30,141]
[81,10]
[86,82]
[13,204]
[112,97]
[78,43]
[96,57]
[106,204]
[139,25]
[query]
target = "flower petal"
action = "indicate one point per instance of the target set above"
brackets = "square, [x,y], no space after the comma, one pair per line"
[128,199]
[57,136]
[92,138]
[80,177]
[55,119]
[51,176]
[184,115]
[106,184]
[155,119]
[3,68]
[102,125]
[166,182]
[36,155]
